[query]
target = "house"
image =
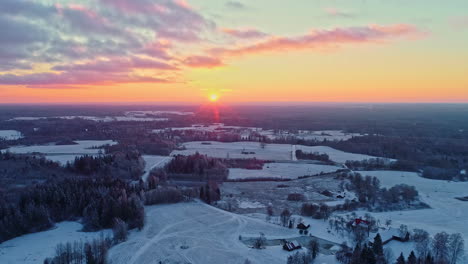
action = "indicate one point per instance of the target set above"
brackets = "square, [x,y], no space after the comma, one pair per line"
[360,222]
[393,234]
[291,245]
[301,226]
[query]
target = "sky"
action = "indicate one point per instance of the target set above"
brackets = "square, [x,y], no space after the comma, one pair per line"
[191,51]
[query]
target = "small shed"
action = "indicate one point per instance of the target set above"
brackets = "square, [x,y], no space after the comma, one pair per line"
[291,245]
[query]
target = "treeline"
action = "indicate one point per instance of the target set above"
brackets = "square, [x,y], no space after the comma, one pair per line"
[381,164]
[448,155]
[80,252]
[17,170]
[249,164]
[197,166]
[442,249]
[97,201]
[125,165]
[312,156]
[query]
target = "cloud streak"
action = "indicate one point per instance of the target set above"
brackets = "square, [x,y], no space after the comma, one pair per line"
[323,38]
[244,33]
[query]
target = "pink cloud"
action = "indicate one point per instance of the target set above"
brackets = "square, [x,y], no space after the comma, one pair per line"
[334,12]
[203,62]
[244,33]
[38,80]
[117,65]
[322,38]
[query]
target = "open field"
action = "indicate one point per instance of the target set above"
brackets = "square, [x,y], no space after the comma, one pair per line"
[446,214]
[10,135]
[64,153]
[152,162]
[281,152]
[244,197]
[34,248]
[198,233]
[282,171]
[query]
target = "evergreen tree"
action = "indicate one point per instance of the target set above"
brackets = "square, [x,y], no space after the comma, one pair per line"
[429,259]
[401,259]
[356,257]
[377,246]
[412,258]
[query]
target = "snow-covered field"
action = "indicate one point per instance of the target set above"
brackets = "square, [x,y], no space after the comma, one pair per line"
[34,248]
[282,170]
[283,152]
[329,135]
[10,135]
[156,113]
[64,153]
[334,154]
[447,213]
[152,162]
[198,233]
[97,118]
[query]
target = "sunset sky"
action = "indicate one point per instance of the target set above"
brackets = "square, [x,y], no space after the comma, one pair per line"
[108,51]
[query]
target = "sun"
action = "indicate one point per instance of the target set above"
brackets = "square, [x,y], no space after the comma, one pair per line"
[213,97]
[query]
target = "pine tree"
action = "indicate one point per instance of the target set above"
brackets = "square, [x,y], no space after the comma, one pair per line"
[412,258]
[355,258]
[401,259]
[377,246]
[429,259]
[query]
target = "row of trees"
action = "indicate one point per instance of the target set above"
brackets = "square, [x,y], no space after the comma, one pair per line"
[312,156]
[381,164]
[197,166]
[82,252]
[128,165]
[98,201]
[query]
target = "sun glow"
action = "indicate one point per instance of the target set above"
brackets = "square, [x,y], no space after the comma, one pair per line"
[213,97]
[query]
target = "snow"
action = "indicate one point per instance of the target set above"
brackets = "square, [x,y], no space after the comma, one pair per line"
[82,147]
[198,233]
[10,135]
[64,153]
[157,113]
[446,214]
[97,118]
[34,248]
[329,135]
[399,247]
[334,154]
[281,152]
[152,162]
[248,204]
[282,170]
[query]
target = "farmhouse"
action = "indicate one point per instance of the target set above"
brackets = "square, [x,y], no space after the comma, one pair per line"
[301,226]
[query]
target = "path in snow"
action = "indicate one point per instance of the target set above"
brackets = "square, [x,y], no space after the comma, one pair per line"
[198,233]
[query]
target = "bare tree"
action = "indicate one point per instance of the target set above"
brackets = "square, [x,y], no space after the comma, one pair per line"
[260,242]
[456,248]
[120,230]
[314,248]
[285,217]
[422,242]
[440,247]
